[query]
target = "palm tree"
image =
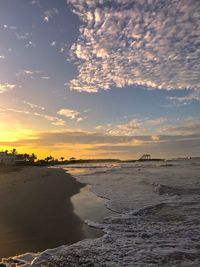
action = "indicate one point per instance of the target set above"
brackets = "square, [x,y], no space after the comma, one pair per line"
[62,158]
[33,157]
[26,157]
[49,158]
[14,151]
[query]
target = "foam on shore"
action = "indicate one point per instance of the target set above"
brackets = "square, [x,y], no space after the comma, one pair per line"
[156,221]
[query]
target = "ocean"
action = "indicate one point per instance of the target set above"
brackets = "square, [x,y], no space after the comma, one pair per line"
[152,216]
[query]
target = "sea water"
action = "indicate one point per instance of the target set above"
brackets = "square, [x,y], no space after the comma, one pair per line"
[155,218]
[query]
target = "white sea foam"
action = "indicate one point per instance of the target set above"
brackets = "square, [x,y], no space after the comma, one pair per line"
[156,221]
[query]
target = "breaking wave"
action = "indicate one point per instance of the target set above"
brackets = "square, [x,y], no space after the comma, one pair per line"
[157,223]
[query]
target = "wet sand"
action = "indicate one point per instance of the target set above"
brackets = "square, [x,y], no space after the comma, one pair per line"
[36,212]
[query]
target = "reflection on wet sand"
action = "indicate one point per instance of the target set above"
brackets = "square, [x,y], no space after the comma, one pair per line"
[36,211]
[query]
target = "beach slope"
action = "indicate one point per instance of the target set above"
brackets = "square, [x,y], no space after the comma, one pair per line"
[36,212]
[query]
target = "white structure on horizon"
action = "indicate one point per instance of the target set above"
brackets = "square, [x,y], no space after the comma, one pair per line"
[7,158]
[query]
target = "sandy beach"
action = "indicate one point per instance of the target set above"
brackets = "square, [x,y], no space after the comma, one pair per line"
[36,212]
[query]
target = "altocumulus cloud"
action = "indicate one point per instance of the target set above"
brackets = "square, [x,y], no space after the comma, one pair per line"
[50,13]
[69,113]
[154,43]
[154,127]
[72,114]
[184,100]
[54,120]
[4,87]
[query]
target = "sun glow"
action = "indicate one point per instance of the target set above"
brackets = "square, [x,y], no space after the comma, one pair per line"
[13,133]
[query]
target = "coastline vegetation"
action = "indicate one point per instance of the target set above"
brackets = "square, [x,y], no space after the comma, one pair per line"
[25,159]
[21,159]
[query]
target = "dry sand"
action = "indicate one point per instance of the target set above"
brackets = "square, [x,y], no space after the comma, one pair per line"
[36,212]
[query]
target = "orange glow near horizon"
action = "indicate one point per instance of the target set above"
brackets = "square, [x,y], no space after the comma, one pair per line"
[65,152]
[13,133]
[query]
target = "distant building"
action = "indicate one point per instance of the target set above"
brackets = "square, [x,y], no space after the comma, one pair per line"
[7,158]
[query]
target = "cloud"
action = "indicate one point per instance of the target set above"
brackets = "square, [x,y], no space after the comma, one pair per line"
[50,13]
[45,77]
[84,137]
[61,47]
[182,127]
[2,57]
[80,142]
[81,118]
[24,36]
[134,127]
[155,138]
[5,87]
[69,113]
[124,43]
[28,73]
[10,27]
[72,114]
[29,44]
[20,35]
[54,120]
[35,3]
[32,74]
[31,105]
[92,138]
[157,129]
[53,43]
[185,100]
[169,138]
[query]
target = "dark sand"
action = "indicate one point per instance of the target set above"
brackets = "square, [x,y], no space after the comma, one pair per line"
[36,212]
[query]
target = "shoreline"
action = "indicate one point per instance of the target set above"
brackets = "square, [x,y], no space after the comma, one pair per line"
[36,211]
[153,227]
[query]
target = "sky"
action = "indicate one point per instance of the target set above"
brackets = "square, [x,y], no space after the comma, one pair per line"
[100,78]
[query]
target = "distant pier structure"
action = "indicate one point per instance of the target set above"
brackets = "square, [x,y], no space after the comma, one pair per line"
[145,157]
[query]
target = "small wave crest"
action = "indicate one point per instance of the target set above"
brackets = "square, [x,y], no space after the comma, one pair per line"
[164,189]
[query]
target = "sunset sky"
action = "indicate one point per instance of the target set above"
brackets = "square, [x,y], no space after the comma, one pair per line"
[100,78]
